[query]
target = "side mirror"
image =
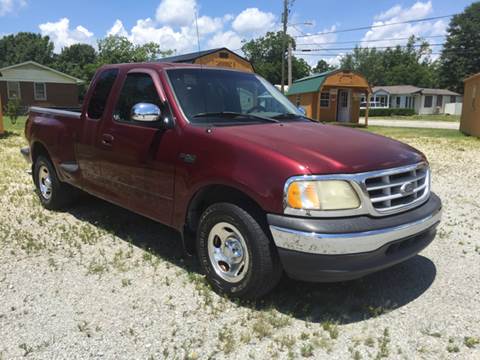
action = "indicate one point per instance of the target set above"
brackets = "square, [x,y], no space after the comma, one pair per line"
[145,112]
[302,110]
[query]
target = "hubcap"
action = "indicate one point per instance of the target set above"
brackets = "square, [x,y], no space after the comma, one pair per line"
[44,182]
[227,252]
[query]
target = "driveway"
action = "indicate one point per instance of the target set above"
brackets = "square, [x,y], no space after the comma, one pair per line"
[429,124]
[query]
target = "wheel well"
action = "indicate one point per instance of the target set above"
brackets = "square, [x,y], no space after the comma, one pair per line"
[37,150]
[213,194]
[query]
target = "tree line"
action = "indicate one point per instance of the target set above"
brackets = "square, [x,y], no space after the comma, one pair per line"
[411,64]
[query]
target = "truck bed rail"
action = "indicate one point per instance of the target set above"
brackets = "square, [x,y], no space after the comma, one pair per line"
[53,111]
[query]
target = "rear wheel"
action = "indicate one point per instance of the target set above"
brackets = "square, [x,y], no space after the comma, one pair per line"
[53,194]
[235,252]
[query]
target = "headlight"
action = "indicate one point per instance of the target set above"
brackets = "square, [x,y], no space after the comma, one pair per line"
[321,195]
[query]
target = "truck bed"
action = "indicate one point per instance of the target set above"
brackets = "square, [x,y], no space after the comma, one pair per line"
[67,112]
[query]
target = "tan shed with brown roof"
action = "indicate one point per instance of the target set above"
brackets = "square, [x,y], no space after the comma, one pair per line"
[470,121]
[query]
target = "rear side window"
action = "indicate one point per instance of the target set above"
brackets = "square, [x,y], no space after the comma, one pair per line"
[137,88]
[100,94]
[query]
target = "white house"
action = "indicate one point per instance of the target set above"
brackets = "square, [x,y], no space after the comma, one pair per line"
[422,100]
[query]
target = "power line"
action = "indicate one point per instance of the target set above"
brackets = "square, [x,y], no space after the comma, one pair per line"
[375,47]
[369,41]
[376,26]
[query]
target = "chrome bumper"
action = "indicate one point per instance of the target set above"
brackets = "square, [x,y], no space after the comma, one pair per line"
[349,243]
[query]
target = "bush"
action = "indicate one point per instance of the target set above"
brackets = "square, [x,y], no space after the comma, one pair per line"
[388,112]
[12,110]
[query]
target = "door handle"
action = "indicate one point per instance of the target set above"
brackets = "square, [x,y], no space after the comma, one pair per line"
[107,139]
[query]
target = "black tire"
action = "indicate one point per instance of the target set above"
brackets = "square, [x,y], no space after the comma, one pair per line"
[61,194]
[264,269]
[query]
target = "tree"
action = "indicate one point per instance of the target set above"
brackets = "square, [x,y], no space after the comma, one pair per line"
[265,54]
[25,46]
[409,65]
[74,59]
[461,51]
[322,66]
[118,49]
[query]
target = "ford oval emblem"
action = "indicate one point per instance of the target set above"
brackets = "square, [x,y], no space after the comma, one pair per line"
[407,188]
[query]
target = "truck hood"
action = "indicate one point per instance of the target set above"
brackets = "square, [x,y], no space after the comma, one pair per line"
[324,149]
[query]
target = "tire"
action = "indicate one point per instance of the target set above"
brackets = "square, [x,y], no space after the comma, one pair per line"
[53,194]
[235,252]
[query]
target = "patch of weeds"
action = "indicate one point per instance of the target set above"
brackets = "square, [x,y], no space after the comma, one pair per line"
[119,261]
[286,342]
[471,341]
[434,334]
[245,337]
[307,350]
[27,349]
[97,267]
[304,336]
[84,327]
[52,263]
[331,328]
[370,342]
[383,342]
[202,287]
[227,341]
[126,282]
[356,355]
[262,329]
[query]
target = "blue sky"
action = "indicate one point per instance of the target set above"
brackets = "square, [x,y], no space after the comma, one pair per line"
[226,23]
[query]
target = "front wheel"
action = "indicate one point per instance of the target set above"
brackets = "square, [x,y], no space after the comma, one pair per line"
[235,252]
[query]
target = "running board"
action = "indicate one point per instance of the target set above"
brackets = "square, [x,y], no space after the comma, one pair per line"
[69,167]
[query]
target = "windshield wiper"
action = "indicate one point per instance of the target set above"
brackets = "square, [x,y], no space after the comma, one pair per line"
[232,115]
[290,116]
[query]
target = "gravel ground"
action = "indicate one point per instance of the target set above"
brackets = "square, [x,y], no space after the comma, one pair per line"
[98,281]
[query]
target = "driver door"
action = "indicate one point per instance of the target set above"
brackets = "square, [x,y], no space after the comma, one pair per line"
[138,159]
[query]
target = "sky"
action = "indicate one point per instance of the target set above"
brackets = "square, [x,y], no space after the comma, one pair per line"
[171,23]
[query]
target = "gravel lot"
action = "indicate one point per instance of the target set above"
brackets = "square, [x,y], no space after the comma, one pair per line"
[98,281]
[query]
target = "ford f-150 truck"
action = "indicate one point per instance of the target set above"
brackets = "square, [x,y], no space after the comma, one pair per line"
[255,188]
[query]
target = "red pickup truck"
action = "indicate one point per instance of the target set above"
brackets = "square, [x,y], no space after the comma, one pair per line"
[254,187]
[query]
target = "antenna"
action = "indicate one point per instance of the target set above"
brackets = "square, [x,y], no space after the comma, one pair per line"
[196,26]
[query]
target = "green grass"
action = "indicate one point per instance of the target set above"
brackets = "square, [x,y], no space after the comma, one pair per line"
[406,133]
[18,127]
[421,117]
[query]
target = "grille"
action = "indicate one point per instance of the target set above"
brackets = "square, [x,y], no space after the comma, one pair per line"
[395,190]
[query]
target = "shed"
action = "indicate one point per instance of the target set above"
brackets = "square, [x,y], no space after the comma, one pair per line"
[35,84]
[470,120]
[219,57]
[332,96]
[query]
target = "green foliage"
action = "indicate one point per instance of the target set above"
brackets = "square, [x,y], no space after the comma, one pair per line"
[12,109]
[322,66]
[398,65]
[388,112]
[265,53]
[461,52]
[25,46]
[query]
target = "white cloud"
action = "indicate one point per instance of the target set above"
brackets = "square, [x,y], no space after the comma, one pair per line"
[117,29]
[254,21]
[317,43]
[176,12]
[8,6]
[228,39]
[399,14]
[62,36]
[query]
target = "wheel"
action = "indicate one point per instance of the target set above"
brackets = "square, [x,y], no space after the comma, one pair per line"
[53,194]
[235,252]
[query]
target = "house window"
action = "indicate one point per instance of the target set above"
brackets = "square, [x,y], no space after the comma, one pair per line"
[40,91]
[439,100]
[428,101]
[324,99]
[13,90]
[398,101]
[223,55]
[381,101]
[453,98]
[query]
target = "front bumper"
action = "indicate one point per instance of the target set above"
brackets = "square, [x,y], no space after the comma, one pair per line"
[348,248]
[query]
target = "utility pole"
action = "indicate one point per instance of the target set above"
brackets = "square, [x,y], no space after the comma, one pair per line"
[289,64]
[284,41]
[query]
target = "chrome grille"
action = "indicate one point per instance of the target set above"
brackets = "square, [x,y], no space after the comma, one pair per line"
[397,189]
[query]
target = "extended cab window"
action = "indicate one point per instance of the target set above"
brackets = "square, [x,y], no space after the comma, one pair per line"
[100,94]
[137,88]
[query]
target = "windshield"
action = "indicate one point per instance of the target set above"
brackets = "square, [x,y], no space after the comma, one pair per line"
[223,96]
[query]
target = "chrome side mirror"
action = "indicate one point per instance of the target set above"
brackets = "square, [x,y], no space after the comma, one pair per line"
[145,112]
